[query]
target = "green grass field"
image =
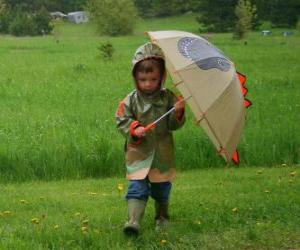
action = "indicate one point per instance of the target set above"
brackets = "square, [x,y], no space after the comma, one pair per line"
[232,208]
[58,99]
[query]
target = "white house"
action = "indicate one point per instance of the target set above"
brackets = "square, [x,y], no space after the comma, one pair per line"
[58,14]
[78,17]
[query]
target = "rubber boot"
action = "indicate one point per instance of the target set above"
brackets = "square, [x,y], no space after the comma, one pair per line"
[136,209]
[161,215]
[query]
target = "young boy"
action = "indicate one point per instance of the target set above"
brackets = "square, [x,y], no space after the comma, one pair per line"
[149,155]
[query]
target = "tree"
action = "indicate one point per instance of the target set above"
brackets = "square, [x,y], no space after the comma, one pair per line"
[113,17]
[216,16]
[245,14]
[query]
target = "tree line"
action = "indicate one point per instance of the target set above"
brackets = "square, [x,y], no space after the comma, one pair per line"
[21,17]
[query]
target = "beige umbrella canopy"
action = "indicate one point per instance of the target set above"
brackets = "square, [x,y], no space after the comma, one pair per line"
[202,72]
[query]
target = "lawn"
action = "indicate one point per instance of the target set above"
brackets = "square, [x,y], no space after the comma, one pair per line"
[231,208]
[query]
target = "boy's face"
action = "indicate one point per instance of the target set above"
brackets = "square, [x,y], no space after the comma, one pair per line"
[148,82]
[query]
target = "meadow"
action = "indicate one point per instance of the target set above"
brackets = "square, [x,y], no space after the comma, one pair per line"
[61,157]
[58,99]
[232,208]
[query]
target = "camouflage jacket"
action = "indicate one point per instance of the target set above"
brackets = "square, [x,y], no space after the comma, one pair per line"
[153,154]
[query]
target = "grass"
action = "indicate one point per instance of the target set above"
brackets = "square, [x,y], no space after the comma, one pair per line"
[58,99]
[232,208]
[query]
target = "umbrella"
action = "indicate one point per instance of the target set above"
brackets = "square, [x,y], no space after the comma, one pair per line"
[209,82]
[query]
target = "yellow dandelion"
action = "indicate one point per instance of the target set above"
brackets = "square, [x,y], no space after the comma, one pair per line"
[85,222]
[35,220]
[197,222]
[56,226]
[293,174]
[84,229]
[267,191]
[77,214]
[284,165]
[163,242]
[120,187]
[24,201]
[235,210]
[7,212]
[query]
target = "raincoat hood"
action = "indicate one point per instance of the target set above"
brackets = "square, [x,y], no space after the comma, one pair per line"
[147,51]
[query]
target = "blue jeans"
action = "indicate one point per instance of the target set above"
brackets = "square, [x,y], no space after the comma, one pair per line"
[141,189]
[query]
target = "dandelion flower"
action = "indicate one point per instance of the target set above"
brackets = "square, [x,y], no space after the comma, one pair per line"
[198,222]
[84,229]
[56,226]
[293,174]
[85,222]
[120,187]
[267,191]
[35,220]
[77,214]
[284,165]
[24,202]
[235,210]
[163,242]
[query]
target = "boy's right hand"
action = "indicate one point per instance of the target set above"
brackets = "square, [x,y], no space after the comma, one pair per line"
[140,131]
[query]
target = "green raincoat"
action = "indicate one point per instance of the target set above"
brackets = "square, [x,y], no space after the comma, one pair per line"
[153,154]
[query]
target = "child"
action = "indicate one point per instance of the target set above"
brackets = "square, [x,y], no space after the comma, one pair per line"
[149,156]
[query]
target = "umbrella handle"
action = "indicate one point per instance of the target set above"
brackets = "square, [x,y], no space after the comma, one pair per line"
[149,127]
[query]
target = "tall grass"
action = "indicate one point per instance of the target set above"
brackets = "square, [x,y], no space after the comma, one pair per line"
[58,99]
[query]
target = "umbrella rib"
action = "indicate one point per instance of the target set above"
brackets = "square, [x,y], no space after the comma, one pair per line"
[203,115]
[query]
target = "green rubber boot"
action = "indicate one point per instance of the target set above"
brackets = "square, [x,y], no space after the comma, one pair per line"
[161,215]
[136,209]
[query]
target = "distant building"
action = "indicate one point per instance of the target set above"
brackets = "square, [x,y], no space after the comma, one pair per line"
[78,17]
[266,32]
[287,33]
[57,14]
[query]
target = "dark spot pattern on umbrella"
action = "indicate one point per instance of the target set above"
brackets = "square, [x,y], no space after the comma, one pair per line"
[203,54]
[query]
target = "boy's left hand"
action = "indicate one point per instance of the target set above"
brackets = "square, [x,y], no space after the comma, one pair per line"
[179,105]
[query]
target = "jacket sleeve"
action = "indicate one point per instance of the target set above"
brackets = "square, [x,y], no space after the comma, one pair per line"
[174,121]
[126,122]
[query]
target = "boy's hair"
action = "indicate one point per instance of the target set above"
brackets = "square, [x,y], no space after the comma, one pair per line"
[149,65]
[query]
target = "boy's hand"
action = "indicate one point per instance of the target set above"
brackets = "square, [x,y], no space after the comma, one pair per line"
[179,105]
[139,131]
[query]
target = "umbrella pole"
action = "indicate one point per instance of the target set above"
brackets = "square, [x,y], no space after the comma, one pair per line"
[152,125]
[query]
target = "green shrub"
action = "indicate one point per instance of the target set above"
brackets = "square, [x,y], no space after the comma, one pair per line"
[18,22]
[22,24]
[245,12]
[106,50]
[5,17]
[113,17]
[42,20]
[298,24]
